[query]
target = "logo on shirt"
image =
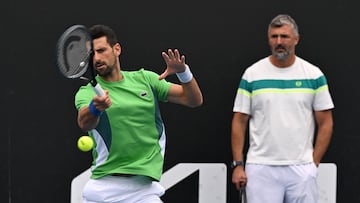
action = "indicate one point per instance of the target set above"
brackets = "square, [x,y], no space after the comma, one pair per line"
[298,83]
[143,94]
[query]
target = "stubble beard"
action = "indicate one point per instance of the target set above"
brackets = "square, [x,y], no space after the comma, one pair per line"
[283,55]
[108,70]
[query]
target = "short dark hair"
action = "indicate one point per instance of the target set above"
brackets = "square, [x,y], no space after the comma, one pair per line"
[97,31]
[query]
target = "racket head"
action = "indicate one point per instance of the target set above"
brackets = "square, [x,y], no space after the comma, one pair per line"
[74,51]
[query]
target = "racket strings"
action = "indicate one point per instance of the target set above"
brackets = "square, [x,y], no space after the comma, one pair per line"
[74,67]
[75,55]
[74,50]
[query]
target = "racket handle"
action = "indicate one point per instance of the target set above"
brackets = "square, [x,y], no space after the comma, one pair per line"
[99,90]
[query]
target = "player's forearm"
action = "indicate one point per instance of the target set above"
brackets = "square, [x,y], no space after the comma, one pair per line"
[192,94]
[86,120]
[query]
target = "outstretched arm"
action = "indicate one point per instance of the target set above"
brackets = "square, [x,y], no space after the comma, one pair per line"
[188,93]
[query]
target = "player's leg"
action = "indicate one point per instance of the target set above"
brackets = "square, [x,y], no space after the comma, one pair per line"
[99,190]
[263,185]
[303,185]
[119,189]
[150,193]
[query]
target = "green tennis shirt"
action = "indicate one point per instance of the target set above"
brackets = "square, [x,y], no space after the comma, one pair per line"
[130,136]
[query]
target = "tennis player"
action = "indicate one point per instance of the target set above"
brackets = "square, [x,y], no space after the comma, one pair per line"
[126,123]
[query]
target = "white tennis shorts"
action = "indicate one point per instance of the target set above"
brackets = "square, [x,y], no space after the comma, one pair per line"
[118,189]
[281,184]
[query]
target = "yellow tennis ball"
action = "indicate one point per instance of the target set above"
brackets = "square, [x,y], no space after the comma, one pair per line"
[85,143]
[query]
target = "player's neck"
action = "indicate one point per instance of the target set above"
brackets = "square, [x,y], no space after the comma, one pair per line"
[115,76]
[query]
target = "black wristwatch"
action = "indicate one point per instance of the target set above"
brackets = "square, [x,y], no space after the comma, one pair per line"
[237,163]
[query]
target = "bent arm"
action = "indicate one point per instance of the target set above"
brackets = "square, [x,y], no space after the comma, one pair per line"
[87,120]
[188,94]
[324,121]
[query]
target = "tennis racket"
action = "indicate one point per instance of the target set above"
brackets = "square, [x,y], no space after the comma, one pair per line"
[74,52]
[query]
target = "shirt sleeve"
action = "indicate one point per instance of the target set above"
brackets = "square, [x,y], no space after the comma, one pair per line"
[242,101]
[323,100]
[84,96]
[160,87]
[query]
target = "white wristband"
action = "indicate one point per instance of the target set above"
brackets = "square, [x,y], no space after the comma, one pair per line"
[185,76]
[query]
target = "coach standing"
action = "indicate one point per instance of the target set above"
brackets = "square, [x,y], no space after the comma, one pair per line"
[283,98]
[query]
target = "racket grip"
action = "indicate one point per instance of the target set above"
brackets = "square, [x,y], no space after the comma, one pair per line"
[99,90]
